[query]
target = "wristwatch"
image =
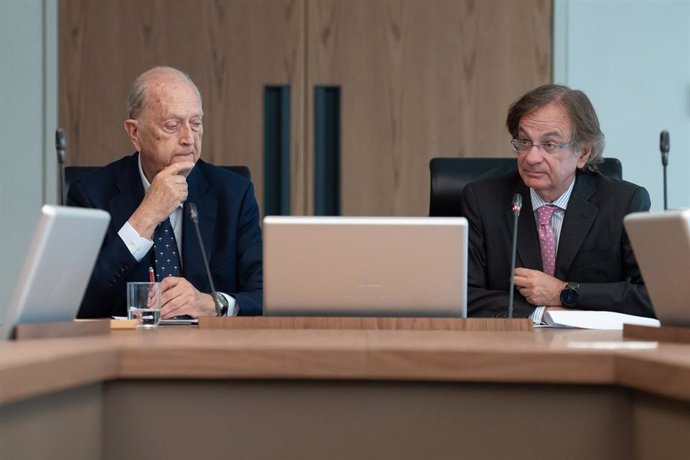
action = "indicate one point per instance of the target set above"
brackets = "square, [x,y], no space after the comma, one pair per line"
[569,294]
[221,304]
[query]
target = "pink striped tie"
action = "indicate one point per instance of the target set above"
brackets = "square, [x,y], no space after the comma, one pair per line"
[547,239]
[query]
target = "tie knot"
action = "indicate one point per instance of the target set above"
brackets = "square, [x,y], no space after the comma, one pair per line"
[545,212]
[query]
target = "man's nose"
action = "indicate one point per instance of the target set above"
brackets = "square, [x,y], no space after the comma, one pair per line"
[534,154]
[186,134]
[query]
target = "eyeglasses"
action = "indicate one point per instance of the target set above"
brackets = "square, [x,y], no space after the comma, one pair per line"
[524,145]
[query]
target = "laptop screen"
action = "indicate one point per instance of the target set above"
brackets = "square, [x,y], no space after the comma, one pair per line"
[365,266]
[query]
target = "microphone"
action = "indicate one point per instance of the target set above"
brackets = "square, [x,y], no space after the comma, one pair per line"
[194,215]
[664,147]
[60,147]
[517,206]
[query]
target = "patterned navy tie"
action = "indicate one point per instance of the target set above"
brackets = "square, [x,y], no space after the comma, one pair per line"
[166,257]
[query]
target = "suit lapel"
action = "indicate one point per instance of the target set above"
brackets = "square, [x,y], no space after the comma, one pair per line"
[207,205]
[130,193]
[579,218]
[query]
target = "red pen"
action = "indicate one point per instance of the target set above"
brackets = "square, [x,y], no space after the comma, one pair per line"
[153,292]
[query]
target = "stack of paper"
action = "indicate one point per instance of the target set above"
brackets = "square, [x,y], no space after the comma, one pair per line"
[585,319]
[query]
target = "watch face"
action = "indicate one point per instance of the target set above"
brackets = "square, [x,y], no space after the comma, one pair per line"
[569,296]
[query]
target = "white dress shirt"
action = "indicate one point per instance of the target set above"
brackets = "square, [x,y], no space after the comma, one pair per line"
[561,204]
[139,246]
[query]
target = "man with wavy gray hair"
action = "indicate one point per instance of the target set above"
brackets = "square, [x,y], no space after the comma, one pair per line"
[572,249]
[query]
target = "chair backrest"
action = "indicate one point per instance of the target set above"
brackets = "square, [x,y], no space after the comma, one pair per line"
[450,175]
[72,173]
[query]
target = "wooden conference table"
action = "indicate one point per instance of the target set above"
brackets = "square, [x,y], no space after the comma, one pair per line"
[282,391]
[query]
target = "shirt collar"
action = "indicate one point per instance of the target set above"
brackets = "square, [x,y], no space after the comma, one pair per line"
[561,202]
[144,181]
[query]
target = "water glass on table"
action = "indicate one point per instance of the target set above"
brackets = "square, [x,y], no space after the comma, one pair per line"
[144,303]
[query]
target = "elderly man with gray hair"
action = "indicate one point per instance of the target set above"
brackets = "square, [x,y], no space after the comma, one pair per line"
[151,234]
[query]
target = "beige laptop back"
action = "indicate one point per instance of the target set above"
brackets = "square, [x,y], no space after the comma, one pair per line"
[57,267]
[661,244]
[365,266]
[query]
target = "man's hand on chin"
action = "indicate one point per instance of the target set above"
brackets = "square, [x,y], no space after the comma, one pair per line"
[167,191]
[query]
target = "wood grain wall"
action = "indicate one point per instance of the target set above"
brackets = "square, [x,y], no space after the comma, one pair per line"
[422,79]
[231,49]
[418,78]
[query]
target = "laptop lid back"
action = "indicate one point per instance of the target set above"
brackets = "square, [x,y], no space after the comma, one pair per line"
[661,244]
[57,268]
[365,266]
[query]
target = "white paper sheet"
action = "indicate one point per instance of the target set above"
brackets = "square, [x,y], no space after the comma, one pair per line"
[585,319]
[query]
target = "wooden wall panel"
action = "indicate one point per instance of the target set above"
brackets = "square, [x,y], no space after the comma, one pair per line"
[231,49]
[421,79]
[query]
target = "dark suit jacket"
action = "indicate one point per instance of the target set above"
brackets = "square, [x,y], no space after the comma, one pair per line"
[229,223]
[593,247]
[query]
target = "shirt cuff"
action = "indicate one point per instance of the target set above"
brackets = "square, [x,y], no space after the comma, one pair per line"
[138,246]
[538,314]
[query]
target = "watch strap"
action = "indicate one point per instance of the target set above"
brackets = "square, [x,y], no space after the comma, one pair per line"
[221,304]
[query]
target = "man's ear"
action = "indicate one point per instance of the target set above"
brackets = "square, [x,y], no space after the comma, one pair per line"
[132,130]
[584,156]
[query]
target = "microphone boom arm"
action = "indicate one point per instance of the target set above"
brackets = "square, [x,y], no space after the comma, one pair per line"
[517,205]
[60,147]
[665,147]
[194,215]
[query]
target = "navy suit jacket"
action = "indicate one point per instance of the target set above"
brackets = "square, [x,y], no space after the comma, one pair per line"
[229,223]
[593,248]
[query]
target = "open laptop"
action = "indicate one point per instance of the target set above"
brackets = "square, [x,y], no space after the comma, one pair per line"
[365,266]
[661,244]
[57,267]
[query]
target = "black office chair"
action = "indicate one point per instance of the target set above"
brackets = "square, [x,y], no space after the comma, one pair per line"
[450,175]
[72,173]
